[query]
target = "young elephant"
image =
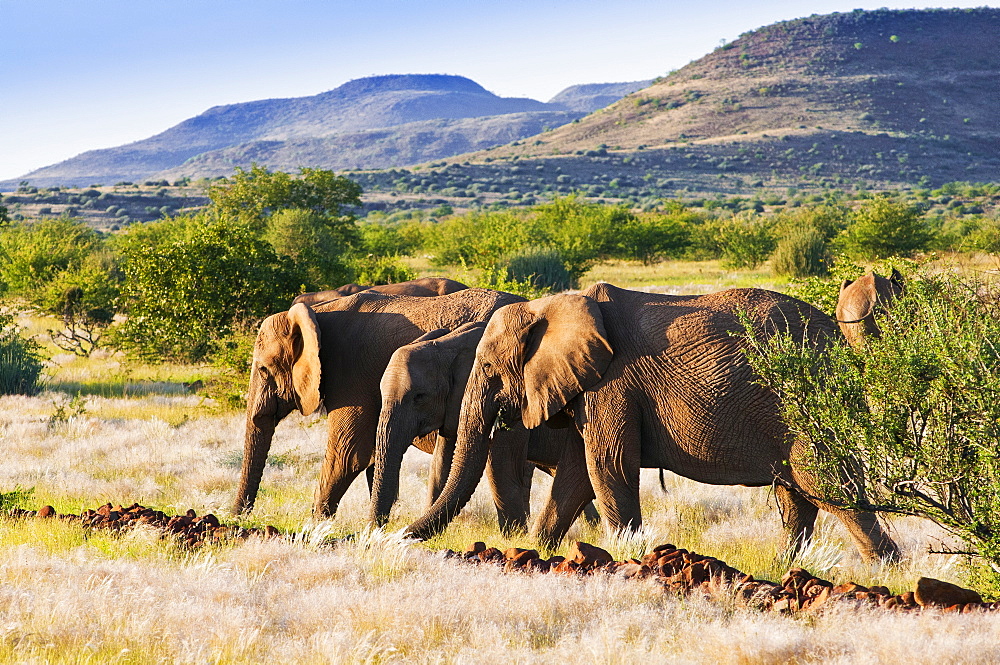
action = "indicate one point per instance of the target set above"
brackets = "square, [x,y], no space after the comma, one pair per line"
[649,381]
[334,356]
[422,392]
[862,300]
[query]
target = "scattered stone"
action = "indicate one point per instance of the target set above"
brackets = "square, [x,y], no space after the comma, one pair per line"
[935,593]
[586,554]
[46,511]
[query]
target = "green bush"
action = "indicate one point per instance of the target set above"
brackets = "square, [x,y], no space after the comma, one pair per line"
[801,253]
[190,282]
[543,268]
[746,240]
[910,422]
[373,269]
[318,252]
[20,362]
[881,228]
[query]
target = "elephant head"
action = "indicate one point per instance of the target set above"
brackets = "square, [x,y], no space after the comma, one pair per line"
[533,360]
[862,300]
[419,395]
[284,376]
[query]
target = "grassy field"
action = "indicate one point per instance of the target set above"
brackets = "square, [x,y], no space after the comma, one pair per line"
[136,435]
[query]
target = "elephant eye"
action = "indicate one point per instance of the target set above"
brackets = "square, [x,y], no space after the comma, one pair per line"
[419,397]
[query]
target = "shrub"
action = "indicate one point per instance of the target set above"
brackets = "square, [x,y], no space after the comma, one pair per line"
[881,228]
[543,268]
[20,362]
[373,269]
[908,423]
[801,253]
[190,282]
[746,240]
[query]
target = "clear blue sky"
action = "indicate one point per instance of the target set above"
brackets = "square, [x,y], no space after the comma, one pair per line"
[77,75]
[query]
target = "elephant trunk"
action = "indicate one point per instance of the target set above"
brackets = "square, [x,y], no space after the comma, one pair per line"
[479,410]
[261,419]
[393,437]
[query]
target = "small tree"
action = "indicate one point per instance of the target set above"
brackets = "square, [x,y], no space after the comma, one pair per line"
[909,423]
[881,228]
[190,282]
[746,240]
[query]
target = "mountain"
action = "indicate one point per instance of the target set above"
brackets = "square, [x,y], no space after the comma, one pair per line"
[315,131]
[590,97]
[876,97]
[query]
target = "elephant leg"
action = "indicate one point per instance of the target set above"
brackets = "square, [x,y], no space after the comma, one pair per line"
[349,451]
[444,451]
[571,492]
[612,446]
[798,515]
[865,529]
[505,470]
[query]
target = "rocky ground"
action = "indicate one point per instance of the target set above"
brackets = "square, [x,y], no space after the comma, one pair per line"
[677,570]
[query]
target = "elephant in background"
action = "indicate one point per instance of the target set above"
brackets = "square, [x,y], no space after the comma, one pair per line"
[862,300]
[425,286]
[649,381]
[333,356]
[422,390]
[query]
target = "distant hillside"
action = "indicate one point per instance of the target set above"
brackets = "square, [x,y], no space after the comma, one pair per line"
[307,123]
[410,143]
[878,98]
[590,97]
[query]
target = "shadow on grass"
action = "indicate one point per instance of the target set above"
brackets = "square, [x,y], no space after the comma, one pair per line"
[120,388]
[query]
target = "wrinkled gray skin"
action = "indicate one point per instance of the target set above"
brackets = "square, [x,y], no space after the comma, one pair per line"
[425,286]
[864,299]
[422,392]
[333,356]
[650,381]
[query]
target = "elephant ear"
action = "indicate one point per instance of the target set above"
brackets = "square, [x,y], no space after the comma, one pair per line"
[897,280]
[566,351]
[304,333]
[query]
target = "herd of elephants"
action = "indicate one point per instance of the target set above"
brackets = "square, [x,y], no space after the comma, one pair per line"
[588,387]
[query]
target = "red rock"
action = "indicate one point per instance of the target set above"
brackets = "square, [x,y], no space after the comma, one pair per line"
[210,520]
[46,511]
[556,560]
[491,554]
[104,510]
[271,532]
[849,587]
[935,593]
[476,548]
[908,598]
[880,590]
[586,554]
[663,548]
[190,513]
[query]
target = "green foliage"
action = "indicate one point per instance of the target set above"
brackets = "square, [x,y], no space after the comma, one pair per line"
[192,281]
[882,227]
[259,193]
[746,240]
[20,361]
[801,253]
[496,278]
[316,250]
[19,497]
[909,423]
[375,269]
[36,253]
[543,268]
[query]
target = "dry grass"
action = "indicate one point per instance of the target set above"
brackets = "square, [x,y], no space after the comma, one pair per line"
[69,597]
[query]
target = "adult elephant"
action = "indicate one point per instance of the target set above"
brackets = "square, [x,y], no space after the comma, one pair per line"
[334,355]
[425,286]
[862,300]
[422,390]
[649,381]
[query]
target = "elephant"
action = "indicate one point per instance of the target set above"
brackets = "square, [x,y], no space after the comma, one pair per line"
[862,300]
[648,380]
[425,286]
[333,355]
[422,390]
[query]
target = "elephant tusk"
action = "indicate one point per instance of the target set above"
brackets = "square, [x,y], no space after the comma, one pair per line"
[499,424]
